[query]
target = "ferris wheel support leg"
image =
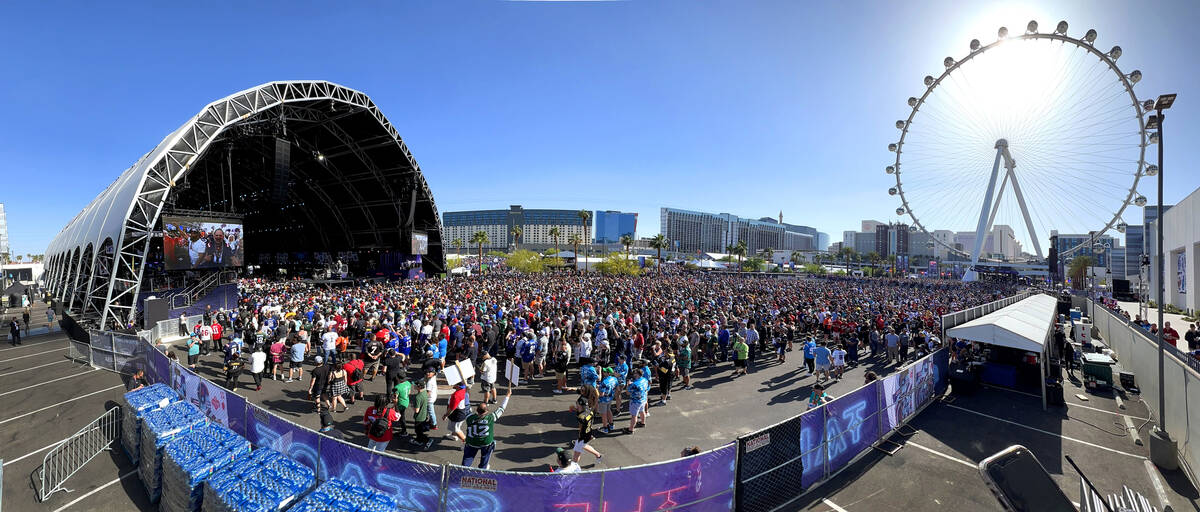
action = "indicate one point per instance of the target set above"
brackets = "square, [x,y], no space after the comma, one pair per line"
[981,228]
[1037,245]
[996,203]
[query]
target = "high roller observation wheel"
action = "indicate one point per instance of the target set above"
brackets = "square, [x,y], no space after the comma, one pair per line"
[1075,147]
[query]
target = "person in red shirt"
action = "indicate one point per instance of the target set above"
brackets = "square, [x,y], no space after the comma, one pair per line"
[353,379]
[457,410]
[216,337]
[1170,335]
[383,409]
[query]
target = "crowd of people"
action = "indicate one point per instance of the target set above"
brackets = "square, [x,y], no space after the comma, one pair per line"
[610,340]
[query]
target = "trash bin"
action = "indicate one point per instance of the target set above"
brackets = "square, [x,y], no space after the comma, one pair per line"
[1097,371]
[1054,393]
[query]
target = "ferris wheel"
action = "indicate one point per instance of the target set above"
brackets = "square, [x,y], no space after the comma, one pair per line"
[1047,117]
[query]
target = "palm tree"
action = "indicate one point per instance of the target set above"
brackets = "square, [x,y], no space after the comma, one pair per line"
[873,257]
[891,259]
[797,256]
[847,254]
[659,242]
[516,232]
[627,240]
[457,243]
[555,234]
[575,240]
[740,250]
[479,238]
[585,218]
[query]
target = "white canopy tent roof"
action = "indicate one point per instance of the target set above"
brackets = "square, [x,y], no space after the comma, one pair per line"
[1024,325]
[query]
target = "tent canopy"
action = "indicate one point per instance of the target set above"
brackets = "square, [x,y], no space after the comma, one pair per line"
[1022,326]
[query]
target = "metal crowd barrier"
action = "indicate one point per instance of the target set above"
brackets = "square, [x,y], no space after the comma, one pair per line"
[71,454]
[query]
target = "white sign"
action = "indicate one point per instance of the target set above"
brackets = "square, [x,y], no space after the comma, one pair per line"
[758,442]
[460,371]
[513,372]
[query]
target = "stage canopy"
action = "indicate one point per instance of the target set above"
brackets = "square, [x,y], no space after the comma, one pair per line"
[1024,325]
[310,167]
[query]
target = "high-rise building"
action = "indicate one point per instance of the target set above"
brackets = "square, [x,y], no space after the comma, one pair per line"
[1136,238]
[882,238]
[1069,241]
[822,241]
[848,238]
[692,232]
[612,225]
[498,224]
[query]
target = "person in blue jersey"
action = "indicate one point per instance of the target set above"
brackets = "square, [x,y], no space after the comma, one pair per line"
[809,361]
[824,360]
[639,387]
[621,371]
[588,376]
[608,390]
[528,349]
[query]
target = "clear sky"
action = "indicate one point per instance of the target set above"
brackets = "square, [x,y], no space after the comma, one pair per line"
[731,106]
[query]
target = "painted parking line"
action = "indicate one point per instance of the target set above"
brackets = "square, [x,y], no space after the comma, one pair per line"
[85,372]
[34,367]
[31,355]
[1047,432]
[964,462]
[27,345]
[94,491]
[833,506]
[14,418]
[35,452]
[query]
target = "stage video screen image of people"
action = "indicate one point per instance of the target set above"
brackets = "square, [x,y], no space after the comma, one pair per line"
[190,243]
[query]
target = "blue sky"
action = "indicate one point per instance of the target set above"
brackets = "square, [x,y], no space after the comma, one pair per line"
[741,107]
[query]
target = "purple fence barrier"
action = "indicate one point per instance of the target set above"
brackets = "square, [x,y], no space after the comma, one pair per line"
[851,424]
[700,483]
[478,490]
[266,429]
[415,485]
[812,446]
[237,414]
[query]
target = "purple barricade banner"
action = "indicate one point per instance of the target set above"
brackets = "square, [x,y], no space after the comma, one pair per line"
[477,490]
[812,446]
[415,485]
[703,482]
[851,424]
[237,414]
[266,429]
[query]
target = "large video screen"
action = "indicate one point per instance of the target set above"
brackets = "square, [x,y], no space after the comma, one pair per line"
[420,242]
[200,243]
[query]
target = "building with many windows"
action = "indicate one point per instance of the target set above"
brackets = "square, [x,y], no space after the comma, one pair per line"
[611,225]
[1135,241]
[696,232]
[3,231]
[536,226]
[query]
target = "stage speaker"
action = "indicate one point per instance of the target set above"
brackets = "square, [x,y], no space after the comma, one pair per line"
[1052,259]
[154,310]
[283,171]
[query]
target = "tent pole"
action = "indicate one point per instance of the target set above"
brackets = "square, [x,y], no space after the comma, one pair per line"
[1043,361]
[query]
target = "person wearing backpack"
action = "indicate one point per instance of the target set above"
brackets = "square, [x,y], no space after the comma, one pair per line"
[378,422]
[354,377]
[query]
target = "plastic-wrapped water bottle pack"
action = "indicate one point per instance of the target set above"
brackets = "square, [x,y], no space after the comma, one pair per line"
[159,428]
[193,457]
[338,496]
[137,404]
[266,480]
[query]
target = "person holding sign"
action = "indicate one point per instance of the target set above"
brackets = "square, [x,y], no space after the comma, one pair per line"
[481,432]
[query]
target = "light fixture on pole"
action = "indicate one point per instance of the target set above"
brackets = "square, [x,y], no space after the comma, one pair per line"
[1163,450]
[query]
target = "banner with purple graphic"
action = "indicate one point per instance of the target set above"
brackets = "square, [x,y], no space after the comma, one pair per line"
[266,429]
[851,424]
[477,490]
[237,414]
[705,480]
[415,485]
[812,446]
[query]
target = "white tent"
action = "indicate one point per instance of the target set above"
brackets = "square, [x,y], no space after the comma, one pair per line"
[1025,325]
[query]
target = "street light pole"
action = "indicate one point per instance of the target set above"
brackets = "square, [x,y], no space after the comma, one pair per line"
[1162,448]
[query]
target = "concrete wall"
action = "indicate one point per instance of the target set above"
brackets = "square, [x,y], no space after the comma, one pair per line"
[1181,237]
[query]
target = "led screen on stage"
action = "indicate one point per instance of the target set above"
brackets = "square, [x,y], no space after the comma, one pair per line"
[198,243]
[420,242]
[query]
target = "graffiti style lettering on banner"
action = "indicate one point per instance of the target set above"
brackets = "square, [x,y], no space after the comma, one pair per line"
[758,442]
[478,483]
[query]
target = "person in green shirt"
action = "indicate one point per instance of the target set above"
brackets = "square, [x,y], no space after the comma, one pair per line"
[402,390]
[481,432]
[420,406]
[742,352]
[684,360]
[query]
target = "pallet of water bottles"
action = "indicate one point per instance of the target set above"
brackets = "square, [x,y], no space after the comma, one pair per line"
[159,428]
[340,496]
[265,480]
[137,404]
[190,459]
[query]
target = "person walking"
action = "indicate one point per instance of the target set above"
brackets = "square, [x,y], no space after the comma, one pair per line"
[318,384]
[810,360]
[893,346]
[487,378]
[585,414]
[421,414]
[277,350]
[481,432]
[378,424]
[298,350]
[741,353]
[193,350]
[402,393]
[337,388]
[355,370]
[666,375]
[457,409]
[14,332]
[823,357]
[607,389]
[639,385]
[258,363]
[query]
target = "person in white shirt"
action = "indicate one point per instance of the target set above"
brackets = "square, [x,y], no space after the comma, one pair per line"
[206,334]
[329,344]
[839,362]
[197,249]
[565,464]
[487,378]
[432,388]
[258,363]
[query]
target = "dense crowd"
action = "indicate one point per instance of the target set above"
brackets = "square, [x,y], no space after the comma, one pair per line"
[611,340]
